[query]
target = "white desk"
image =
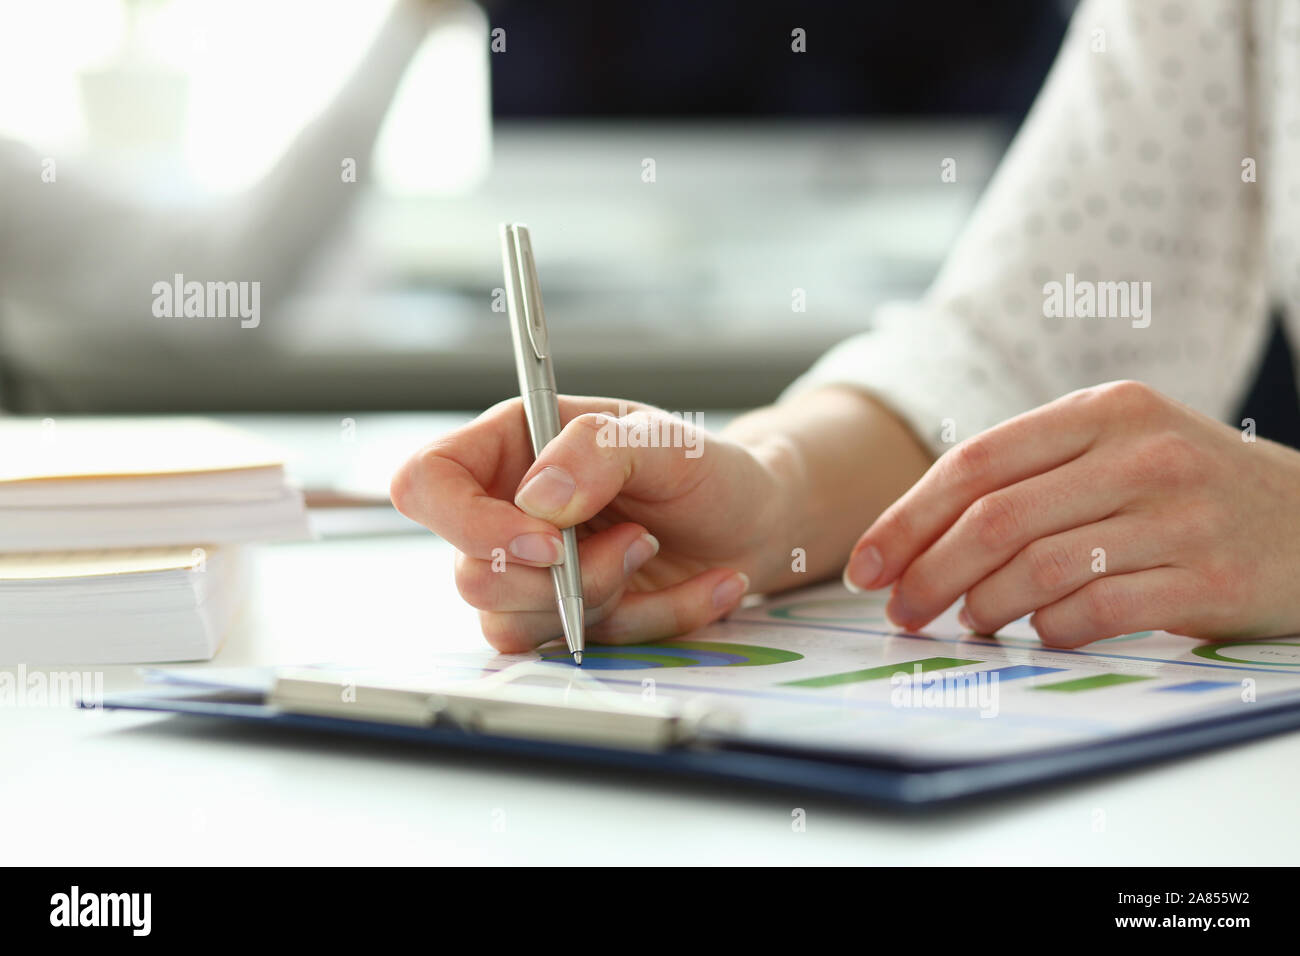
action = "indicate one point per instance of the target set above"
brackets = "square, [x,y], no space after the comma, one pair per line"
[118,788]
[80,788]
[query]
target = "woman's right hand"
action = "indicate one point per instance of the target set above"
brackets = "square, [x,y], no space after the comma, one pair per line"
[671,538]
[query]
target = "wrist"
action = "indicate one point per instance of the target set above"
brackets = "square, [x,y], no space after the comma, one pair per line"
[834,459]
[781,517]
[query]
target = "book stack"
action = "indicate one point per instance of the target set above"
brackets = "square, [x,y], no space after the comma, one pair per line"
[121,539]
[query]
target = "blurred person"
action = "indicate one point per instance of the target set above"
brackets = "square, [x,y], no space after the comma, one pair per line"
[72,253]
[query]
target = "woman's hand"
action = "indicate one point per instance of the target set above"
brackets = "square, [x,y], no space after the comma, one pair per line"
[1111,510]
[671,536]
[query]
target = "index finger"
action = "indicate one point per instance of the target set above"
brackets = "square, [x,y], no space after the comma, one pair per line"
[1021,447]
[461,485]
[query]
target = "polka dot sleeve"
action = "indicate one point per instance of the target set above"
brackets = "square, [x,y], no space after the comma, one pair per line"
[1121,237]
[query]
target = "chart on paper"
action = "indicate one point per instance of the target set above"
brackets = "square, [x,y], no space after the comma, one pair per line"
[824,667]
[826,670]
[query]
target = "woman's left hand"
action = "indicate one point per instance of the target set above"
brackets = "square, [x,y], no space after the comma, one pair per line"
[1110,510]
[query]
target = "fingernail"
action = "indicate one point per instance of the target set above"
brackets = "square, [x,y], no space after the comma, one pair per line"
[639,552]
[864,567]
[898,611]
[964,620]
[730,591]
[546,493]
[849,585]
[538,548]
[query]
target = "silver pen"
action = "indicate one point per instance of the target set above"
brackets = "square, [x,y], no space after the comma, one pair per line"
[537,389]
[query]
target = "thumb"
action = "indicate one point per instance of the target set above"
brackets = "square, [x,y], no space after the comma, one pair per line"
[649,455]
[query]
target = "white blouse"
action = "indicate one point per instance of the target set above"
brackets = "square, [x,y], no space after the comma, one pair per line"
[1163,154]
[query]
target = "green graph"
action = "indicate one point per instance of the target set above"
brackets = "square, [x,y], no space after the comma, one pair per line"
[1277,653]
[883,672]
[1095,682]
[831,611]
[676,654]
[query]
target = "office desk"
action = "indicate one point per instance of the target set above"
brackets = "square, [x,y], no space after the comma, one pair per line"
[119,788]
[124,788]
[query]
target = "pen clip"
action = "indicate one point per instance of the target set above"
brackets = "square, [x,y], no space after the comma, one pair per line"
[531,299]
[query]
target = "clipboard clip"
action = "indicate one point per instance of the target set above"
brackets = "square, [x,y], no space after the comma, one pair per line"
[582,711]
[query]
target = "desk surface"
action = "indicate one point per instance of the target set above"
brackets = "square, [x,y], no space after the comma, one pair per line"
[118,788]
[122,788]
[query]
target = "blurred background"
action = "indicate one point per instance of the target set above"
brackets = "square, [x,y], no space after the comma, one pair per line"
[773,171]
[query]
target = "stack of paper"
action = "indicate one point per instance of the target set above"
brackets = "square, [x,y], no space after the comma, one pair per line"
[127,483]
[116,607]
[117,536]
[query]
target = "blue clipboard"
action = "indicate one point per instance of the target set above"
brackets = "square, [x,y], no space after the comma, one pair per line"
[890,782]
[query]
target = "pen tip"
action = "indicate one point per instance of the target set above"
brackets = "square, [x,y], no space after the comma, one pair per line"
[571,615]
